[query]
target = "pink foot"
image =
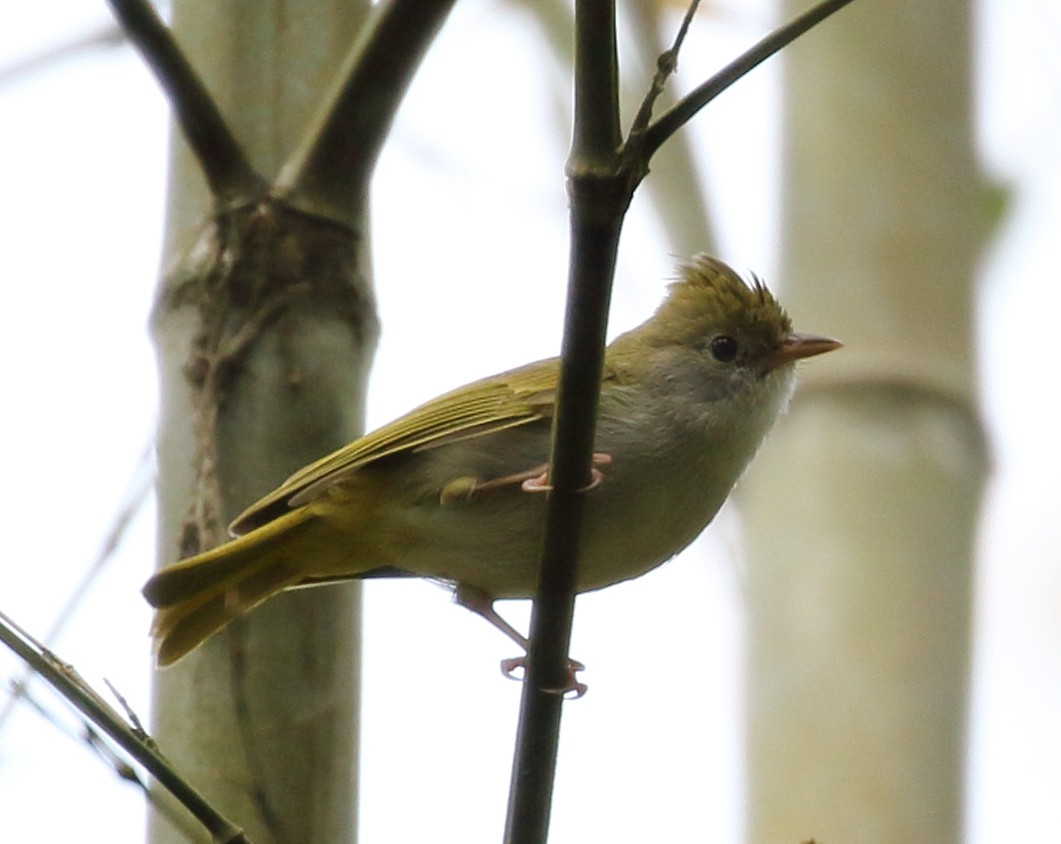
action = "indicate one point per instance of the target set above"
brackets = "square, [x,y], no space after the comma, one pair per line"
[509,667]
[541,483]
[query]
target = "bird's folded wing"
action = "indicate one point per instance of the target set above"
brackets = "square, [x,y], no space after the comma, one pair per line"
[502,401]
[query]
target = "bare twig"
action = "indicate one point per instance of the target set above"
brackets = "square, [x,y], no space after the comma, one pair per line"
[135,723]
[86,734]
[231,178]
[687,225]
[665,67]
[781,37]
[65,680]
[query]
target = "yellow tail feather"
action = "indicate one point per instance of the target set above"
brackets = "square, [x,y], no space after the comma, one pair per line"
[197,597]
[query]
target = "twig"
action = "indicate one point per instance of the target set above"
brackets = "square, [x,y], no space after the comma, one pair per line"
[683,111]
[665,67]
[687,224]
[135,723]
[89,736]
[65,680]
[688,227]
[229,174]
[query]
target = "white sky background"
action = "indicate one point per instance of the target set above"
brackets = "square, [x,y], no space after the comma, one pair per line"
[82,164]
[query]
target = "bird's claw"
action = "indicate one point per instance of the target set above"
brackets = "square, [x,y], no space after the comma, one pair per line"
[509,667]
[540,483]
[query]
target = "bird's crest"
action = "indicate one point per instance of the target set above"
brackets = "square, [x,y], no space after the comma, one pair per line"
[710,297]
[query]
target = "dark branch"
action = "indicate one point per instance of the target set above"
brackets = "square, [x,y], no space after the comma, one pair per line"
[688,106]
[596,123]
[330,171]
[602,176]
[228,172]
[598,202]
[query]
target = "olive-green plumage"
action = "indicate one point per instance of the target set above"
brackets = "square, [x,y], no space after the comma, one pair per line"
[450,490]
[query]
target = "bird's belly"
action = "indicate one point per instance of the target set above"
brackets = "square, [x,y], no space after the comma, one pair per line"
[638,518]
[636,530]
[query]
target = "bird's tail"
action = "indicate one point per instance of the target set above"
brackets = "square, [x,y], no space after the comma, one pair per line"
[198,596]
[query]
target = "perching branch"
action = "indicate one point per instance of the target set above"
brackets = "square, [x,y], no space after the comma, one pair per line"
[228,172]
[598,204]
[683,111]
[602,177]
[131,738]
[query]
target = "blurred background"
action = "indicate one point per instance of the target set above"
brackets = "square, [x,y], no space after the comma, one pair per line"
[83,162]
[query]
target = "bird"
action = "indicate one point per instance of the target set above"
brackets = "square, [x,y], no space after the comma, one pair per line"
[455,490]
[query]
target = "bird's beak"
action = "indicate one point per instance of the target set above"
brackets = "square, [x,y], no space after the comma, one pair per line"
[796,346]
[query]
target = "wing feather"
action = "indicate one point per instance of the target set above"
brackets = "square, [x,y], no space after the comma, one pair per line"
[508,400]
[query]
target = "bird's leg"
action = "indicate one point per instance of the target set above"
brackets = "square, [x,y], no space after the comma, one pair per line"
[482,604]
[540,482]
[535,479]
[465,487]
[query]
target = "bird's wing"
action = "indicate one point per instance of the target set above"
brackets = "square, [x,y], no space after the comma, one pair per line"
[513,398]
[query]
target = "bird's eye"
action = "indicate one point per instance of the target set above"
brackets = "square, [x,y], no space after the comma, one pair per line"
[723,348]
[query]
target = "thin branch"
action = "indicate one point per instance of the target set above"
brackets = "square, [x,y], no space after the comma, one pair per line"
[65,680]
[349,129]
[687,224]
[665,67]
[597,208]
[85,733]
[228,172]
[602,176]
[683,111]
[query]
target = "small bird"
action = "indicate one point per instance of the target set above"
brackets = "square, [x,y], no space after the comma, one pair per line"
[455,490]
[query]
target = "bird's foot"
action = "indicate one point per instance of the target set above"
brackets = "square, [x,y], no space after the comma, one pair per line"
[540,483]
[481,603]
[509,667]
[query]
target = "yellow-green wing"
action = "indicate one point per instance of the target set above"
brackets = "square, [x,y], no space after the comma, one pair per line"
[513,398]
